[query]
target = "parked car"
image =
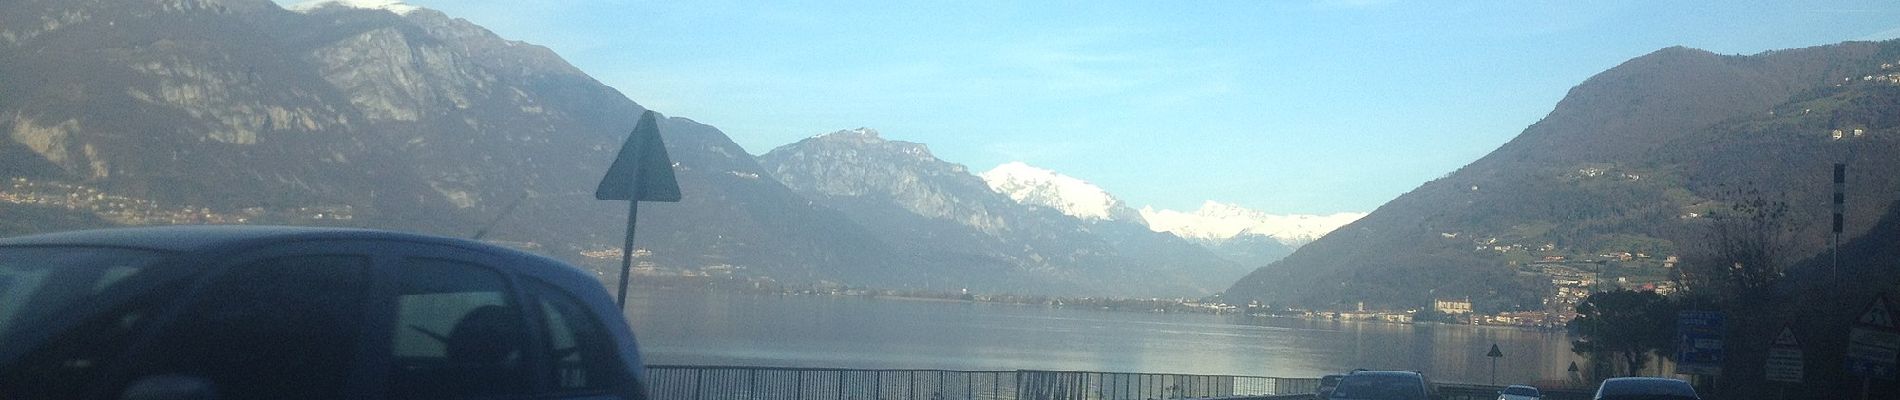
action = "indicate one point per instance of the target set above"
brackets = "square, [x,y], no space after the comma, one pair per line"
[1645,388]
[1519,392]
[1385,385]
[1327,383]
[302,313]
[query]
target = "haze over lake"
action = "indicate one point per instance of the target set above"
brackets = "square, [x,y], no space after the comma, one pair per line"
[702,328]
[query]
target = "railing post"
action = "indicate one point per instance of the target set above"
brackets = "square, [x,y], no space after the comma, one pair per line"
[699,380]
[996,385]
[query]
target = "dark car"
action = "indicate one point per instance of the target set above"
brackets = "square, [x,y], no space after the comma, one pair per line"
[1328,383]
[1385,385]
[301,313]
[1645,388]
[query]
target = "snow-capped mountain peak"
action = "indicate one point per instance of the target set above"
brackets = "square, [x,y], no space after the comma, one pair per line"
[394,6]
[1040,187]
[1216,221]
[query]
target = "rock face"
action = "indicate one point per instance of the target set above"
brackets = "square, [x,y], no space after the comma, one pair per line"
[1632,161]
[415,121]
[365,113]
[946,214]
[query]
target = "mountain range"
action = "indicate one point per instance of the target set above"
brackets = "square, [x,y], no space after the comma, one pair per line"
[379,114]
[1627,170]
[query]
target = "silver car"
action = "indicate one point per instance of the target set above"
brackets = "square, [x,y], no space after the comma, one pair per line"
[1519,392]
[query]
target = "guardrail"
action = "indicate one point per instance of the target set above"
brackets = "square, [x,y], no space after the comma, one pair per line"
[684,382]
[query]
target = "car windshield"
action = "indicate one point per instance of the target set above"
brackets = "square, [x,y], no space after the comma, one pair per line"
[1520,391]
[41,284]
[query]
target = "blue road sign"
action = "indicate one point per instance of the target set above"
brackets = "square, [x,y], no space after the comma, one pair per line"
[1699,342]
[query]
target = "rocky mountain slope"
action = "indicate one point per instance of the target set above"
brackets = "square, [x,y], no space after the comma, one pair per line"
[944,213]
[1630,162]
[240,110]
[374,113]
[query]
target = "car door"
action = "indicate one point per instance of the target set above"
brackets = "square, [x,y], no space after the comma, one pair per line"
[582,360]
[284,321]
[459,328]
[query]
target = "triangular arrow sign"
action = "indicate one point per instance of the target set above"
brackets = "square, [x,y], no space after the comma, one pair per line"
[642,171]
[1495,353]
[1878,314]
[1786,338]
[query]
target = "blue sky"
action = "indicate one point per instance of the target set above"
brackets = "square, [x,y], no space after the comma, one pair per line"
[1282,106]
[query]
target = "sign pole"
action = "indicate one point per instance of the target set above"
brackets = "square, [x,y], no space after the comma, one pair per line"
[1494,354]
[626,254]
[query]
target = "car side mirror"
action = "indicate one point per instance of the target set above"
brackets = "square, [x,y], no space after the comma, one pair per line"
[170,387]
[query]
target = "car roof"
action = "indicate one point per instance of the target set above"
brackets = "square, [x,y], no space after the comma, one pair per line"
[214,238]
[1645,385]
[193,238]
[1386,373]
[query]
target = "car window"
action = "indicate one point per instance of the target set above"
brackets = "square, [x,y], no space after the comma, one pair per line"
[581,351]
[279,328]
[67,366]
[1520,391]
[37,284]
[458,334]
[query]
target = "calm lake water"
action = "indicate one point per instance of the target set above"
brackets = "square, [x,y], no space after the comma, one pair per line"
[702,328]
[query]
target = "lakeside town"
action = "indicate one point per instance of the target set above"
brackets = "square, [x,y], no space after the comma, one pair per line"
[126,210]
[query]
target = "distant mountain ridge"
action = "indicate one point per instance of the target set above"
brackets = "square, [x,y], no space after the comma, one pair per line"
[1041,187]
[942,212]
[1216,221]
[1628,163]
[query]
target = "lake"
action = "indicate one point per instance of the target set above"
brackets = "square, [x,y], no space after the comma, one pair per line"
[715,328]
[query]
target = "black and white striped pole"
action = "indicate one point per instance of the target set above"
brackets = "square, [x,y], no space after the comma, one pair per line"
[1840,207]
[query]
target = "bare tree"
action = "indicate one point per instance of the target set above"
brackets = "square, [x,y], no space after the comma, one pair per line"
[1741,252]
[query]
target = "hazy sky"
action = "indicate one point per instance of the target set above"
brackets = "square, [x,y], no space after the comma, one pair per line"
[1281,106]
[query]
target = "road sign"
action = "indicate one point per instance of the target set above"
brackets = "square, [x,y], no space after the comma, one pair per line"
[1495,354]
[1784,359]
[1699,343]
[1873,345]
[642,171]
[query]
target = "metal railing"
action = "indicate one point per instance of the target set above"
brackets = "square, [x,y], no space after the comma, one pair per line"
[680,382]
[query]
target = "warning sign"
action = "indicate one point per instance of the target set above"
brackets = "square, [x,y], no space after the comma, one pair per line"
[1873,345]
[1784,359]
